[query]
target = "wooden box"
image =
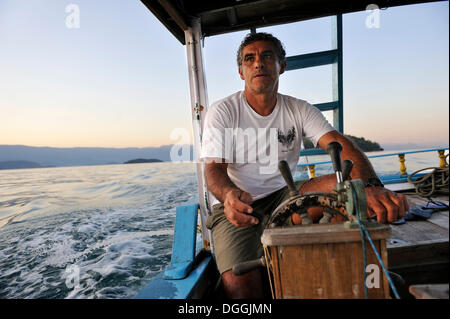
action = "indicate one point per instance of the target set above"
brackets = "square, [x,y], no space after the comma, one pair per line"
[325,261]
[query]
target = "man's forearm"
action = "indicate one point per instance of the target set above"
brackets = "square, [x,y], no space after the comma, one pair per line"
[218,181]
[362,168]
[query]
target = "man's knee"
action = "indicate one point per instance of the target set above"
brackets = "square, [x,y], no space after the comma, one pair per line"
[248,285]
[324,183]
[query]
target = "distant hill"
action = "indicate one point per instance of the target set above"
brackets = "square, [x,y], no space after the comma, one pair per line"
[18,164]
[79,156]
[21,156]
[143,160]
[363,144]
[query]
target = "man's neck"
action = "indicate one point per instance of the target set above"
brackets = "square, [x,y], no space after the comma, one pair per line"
[262,103]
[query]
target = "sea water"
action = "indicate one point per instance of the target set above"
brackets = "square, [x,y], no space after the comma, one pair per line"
[103,231]
[88,232]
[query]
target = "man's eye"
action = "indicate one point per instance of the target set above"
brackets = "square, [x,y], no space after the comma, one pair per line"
[249,59]
[267,56]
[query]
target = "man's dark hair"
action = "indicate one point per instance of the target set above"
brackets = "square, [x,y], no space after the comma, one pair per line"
[262,36]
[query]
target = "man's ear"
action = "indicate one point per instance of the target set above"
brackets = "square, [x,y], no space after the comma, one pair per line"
[283,67]
[241,74]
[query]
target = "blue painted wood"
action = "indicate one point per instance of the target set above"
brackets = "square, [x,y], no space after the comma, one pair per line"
[184,241]
[337,70]
[328,106]
[309,60]
[305,152]
[333,57]
[313,163]
[161,288]
[314,151]
[393,179]
[411,152]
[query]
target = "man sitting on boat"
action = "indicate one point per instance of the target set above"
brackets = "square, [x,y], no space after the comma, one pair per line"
[243,134]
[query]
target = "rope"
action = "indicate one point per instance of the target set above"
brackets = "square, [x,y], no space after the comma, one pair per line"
[364,249]
[436,181]
[268,263]
[365,233]
[381,262]
[363,242]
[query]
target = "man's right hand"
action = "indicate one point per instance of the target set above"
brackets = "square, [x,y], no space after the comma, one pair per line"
[237,208]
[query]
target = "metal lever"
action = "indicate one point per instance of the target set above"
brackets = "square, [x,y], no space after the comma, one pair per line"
[334,149]
[347,166]
[287,175]
[242,268]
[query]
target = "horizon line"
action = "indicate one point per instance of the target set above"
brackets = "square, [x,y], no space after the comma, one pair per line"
[126,147]
[392,144]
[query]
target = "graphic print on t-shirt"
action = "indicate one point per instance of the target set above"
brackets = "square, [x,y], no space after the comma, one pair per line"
[286,139]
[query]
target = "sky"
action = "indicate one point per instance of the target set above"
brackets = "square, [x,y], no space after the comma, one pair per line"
[119,78]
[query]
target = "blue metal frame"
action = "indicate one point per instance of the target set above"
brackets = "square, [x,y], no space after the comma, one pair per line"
[311,60]
[338,84]
[333,57]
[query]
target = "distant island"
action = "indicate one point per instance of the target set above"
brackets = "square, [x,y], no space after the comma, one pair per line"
[143,160]
[22,156]
[18,164]
[363,144]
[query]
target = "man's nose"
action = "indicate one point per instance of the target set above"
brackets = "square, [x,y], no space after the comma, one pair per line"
[259,63]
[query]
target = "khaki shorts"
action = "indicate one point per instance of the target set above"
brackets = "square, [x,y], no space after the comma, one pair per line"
[232,244]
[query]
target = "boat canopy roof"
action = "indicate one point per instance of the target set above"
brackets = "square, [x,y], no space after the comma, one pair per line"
[224,16]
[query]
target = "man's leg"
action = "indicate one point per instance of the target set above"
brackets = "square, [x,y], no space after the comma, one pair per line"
[234,245]
[325,184]
[246,286]
[249,285]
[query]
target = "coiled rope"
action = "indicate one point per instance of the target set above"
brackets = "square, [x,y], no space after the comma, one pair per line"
[432,183]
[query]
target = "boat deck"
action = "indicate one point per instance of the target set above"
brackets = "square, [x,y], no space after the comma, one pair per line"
[418,250]
[422,231]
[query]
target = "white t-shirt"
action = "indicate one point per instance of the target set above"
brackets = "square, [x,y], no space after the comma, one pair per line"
[253,144]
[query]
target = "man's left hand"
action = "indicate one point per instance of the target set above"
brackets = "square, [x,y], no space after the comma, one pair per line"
[386,205]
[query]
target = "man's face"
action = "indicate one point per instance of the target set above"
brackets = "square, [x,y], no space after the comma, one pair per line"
[260,67]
